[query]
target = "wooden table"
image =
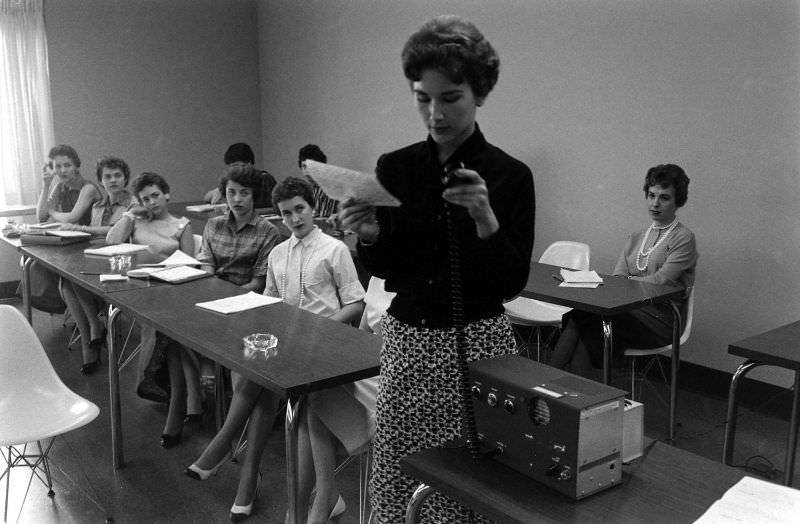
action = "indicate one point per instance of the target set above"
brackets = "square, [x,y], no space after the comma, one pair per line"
[666,485]
[616,295]
[777,347]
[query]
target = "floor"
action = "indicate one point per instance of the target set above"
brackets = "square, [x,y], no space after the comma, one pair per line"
[152,488]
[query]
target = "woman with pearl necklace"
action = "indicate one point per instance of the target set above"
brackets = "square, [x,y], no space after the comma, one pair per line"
[664,252]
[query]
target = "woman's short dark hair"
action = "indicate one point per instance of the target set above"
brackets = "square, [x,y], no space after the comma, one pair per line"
[310,151]
[247,176]
[291,187]
[239,152]
[65,150]
[112,162]
[455,48]
[668,175]
[149,178]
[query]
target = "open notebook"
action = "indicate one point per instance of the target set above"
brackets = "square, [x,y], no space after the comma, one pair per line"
[53,237]
[172,274]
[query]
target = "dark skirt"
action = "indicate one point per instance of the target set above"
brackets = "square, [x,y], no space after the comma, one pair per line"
[644,328]
[419,406]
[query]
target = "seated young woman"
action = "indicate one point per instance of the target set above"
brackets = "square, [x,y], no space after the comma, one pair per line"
[67,198]
[113,174]
[312,271]
[150,223]
[340,419]
[236,246]
[664,252]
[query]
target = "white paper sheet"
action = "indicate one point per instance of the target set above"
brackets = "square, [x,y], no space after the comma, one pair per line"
[340,183]
[112,277]
[115,249]
[583,277]
[238,303]
[753,500]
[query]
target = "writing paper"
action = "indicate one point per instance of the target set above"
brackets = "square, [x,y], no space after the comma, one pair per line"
[238,303]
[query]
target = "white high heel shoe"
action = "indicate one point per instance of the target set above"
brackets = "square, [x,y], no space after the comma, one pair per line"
[338,509]
[196,472]
[240,513]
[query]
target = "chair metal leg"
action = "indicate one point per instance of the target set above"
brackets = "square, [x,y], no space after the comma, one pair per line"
[730,419]
[421,494]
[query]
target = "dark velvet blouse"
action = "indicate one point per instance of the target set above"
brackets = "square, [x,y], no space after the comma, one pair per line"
[411,252]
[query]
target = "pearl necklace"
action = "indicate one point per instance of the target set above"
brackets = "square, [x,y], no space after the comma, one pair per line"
[303,271]
[645,254]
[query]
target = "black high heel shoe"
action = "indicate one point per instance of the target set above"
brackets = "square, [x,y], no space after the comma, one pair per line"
[91,367]
[168,441]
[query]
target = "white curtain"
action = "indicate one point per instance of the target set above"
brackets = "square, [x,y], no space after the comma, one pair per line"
[26,113]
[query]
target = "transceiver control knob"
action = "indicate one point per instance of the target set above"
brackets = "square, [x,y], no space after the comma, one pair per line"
[491,399]
[476,392]
[508,405]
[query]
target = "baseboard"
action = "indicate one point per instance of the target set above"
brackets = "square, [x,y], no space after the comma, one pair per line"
[8,289]
[753,394]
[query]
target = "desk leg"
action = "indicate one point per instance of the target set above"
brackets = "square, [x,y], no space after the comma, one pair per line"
[293,405]
[677,329]
[730,419]
[420,495]
[26,288]
[608,340]
[113,386]
[791,445]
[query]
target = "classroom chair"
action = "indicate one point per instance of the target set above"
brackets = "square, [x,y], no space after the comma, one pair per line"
[651,356]
[536,314]
[35,405]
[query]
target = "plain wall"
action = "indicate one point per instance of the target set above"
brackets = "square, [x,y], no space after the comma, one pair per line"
[167,85]
[591,94]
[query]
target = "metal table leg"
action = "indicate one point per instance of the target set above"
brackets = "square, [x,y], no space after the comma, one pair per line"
[113,386]
[677,329]
[791,445]
[730,419]
[293,405]
[26,287]
[608,340]
[421,494]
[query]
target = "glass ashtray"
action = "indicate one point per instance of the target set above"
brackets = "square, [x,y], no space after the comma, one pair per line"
[260,344]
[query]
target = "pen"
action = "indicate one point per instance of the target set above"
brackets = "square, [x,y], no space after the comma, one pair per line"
[557,278]
[90,273]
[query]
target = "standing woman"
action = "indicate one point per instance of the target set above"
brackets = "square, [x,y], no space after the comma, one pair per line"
[451,68]
[113,174]
[150,223]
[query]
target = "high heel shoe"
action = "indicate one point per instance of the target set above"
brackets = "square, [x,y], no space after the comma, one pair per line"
[338,509]
[196,472]
[168,441]
[91,367]
[240,513]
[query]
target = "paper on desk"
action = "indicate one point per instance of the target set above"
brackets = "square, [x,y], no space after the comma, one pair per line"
[238,303]
[112,277]
[179,258]
[201,208]
[587,285]
[580,277]
[752,500]
[340,183]
[115,249]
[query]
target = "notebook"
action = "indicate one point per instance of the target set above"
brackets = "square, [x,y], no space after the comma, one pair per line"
[53,237]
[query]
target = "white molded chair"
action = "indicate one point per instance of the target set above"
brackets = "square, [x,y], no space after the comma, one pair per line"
[35,405]
[536,314]
[198,243]
[652,355]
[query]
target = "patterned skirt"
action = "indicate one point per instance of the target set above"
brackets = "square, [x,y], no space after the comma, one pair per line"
[419,406]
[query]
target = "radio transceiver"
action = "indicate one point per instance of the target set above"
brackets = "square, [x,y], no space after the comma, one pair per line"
[557,428]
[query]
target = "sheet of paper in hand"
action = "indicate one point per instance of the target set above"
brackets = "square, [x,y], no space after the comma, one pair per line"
[340,183]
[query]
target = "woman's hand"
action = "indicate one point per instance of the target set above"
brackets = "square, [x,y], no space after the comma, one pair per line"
[140,212]
[360,219]
[470,191]
[48,172]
